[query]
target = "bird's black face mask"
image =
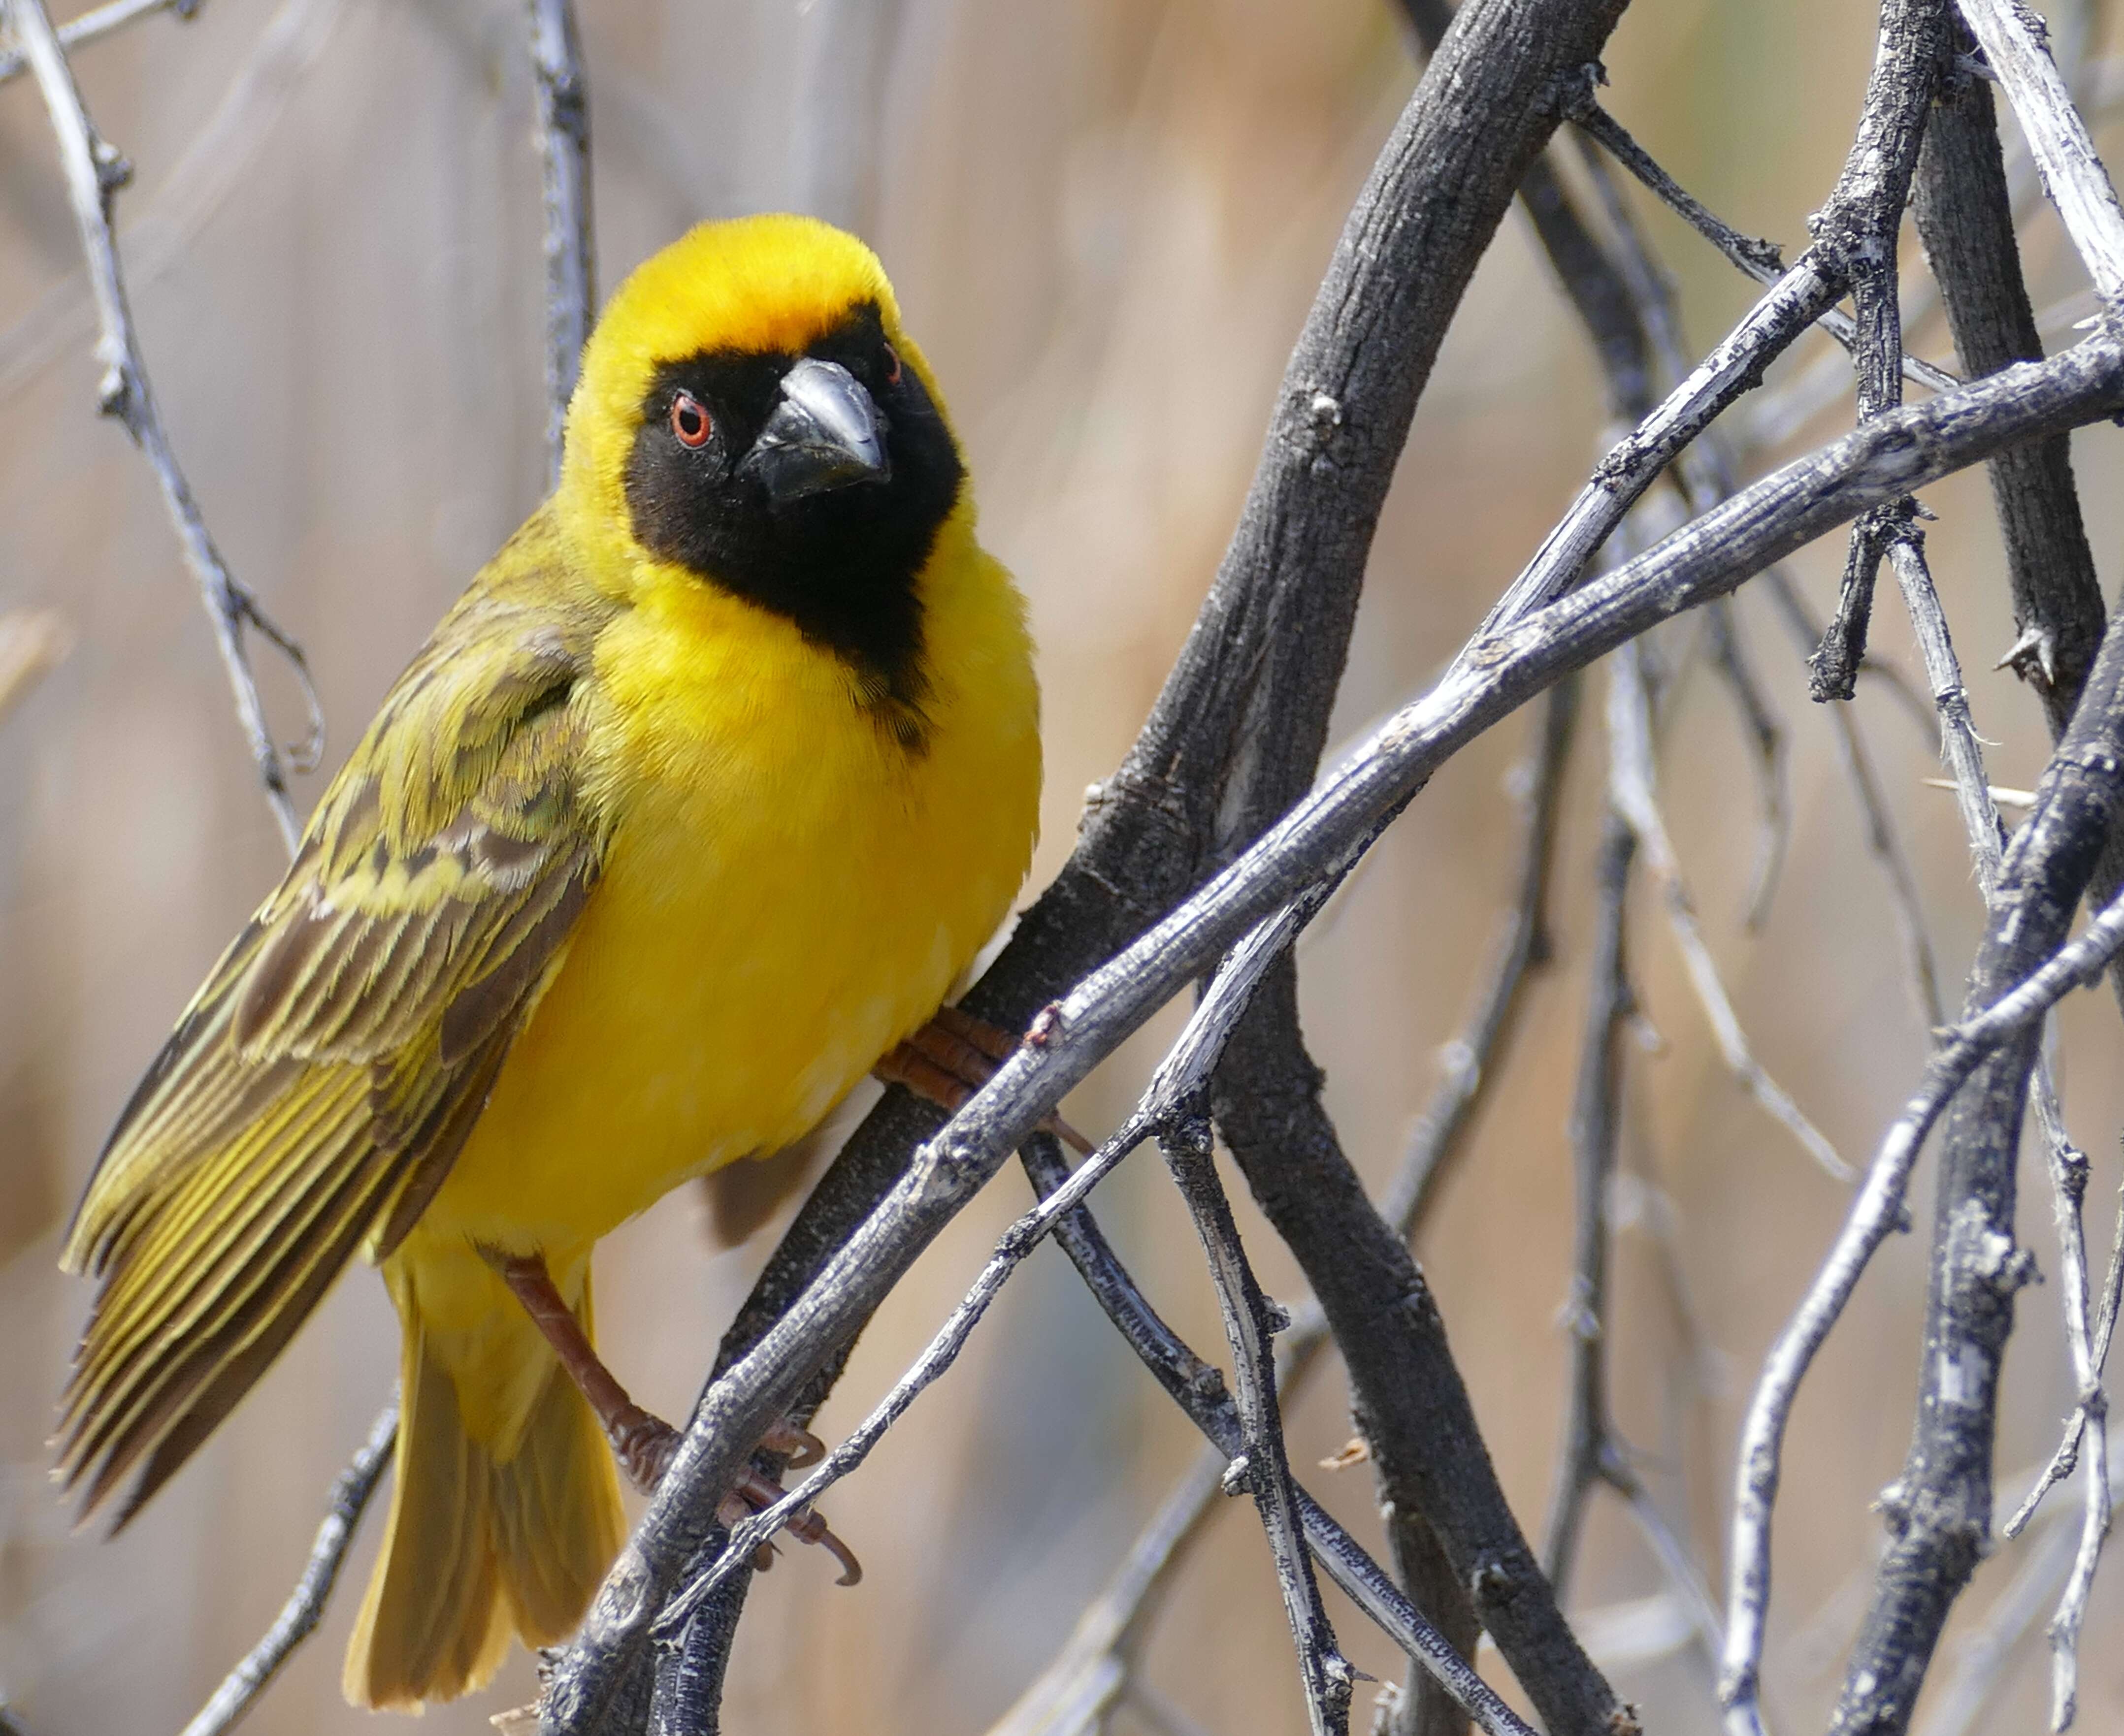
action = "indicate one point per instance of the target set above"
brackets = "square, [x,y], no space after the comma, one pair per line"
[811,484]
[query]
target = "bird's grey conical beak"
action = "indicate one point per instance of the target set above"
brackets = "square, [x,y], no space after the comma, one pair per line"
[826,433]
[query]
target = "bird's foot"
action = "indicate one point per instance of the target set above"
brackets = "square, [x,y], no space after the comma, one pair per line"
[645,1445]
[952,1056]
[755,1492]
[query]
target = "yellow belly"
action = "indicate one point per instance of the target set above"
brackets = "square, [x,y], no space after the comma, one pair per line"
[787,893]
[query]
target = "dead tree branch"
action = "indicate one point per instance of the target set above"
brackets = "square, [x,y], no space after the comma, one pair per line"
[1866,224]
[240,1690]
[564,155]
[95,171]
[96,23]
[1263,1466]
[1966,219]
[1595,1121]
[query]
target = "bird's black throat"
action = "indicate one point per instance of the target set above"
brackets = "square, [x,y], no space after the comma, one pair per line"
[844,566]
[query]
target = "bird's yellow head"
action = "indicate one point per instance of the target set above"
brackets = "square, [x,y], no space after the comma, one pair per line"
[751,413]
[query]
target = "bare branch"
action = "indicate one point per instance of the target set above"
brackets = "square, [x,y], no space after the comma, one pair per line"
[1199,1389]
[1939,1511]
[564,152]
[98,22]
[2014,41]
[1263,1466]
[94,173]
[1966,217]
[1630,788]
[1596,1123]
[1736,365]
[1982,1656]
[1087,1674]
[1764,261]
[1878,1211]
[240,1691]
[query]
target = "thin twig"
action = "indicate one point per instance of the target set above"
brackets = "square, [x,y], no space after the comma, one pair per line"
[1960,749]
[1982,1656]
[1630,788]
[564,155]
[1199,1389]
[240,1691]
[1092,1668]
[1878,1210]
[1883,842]
[2066,1164]
[2063,1461]
[98,22]
[1764,261]
[2068,1183]
[1631,467]
[1263,1466]
[1875,177]
[94,173]
[1595,1125]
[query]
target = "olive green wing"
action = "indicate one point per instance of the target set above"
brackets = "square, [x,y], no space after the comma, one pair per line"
[317,1090]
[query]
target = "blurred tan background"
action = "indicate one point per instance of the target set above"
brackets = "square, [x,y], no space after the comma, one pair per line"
[1106,220]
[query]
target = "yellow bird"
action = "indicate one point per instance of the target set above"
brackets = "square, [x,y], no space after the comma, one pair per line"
[696,805]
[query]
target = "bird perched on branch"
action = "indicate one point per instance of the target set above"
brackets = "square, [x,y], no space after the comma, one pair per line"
[693,808]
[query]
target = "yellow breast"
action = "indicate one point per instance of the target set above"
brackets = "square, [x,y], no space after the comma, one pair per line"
[787,892]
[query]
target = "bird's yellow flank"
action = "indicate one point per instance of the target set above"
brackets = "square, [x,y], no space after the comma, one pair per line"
[696,803]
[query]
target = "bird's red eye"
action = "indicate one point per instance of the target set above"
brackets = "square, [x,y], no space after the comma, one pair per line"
[891,366]
[690,420]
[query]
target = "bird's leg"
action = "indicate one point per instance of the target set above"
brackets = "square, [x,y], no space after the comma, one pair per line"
[952,1056]
[644,1444]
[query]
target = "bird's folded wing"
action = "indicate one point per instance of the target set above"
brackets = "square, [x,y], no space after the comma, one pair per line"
[317,1089]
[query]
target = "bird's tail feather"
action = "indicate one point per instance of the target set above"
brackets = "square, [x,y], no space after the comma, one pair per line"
[474,1548]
